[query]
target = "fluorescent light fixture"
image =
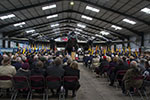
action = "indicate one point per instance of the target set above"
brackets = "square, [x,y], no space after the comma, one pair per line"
[81,25]
[49,7]
[77,32]
[7,16]
[129,21]
[104,33]
[86,17]
[54,25]
[19,24]
[98,35]
[30,31]
[92,9]
[146,10]
[116,27]
[52,16]
[35,34]
[77,29]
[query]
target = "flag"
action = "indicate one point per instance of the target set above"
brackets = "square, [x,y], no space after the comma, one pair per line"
[104,51]
[24,50]
[129,51]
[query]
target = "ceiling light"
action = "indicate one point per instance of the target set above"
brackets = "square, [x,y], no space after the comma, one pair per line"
[52,16]
[146,10]
[86,17]
[30,31]
[71,3]
[77,32]
[19,24]
[104,33]
[129,21]
[35,34]
[80,25]
[116,27]
[49,7]
[54,25]
[92,9]
[77,29]
[7,16]
[98,35]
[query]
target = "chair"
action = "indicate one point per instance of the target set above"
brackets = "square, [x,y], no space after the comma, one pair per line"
[5,78]
[119,76]
[52,83]
[137,89]
[37,83]
[21,83]
[71,83]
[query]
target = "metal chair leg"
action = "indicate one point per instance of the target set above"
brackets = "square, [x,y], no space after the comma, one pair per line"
[130,95]
[28,96]
[142,98]
[15,96]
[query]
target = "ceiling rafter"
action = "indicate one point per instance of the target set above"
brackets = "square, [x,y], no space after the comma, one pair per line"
[115,34]
[73,11]
[83,1]
[80,32]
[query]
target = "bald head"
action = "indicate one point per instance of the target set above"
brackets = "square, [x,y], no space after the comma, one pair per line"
[133,64]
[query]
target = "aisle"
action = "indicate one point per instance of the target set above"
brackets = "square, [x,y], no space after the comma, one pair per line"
[93,88]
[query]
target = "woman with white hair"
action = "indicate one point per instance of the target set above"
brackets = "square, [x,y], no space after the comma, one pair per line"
[18,63]
[129,78]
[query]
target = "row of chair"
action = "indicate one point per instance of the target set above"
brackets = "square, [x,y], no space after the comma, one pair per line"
[119,76]
[21,83]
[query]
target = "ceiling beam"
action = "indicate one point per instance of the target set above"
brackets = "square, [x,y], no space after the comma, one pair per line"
[83,1]
[77,12]
[115,11]
[84,31]
[115,34]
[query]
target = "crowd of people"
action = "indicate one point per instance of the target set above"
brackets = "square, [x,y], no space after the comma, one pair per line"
[135,71]
[37,64]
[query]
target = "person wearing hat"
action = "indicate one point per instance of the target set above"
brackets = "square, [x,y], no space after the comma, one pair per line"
[6,70]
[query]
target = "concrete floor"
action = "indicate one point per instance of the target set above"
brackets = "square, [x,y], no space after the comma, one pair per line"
[93,88]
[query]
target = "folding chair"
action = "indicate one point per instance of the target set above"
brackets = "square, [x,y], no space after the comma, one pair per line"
[70,83]
[5,78]
[119,76]
[37,83]
[21,83]
[137,89]
[52,83]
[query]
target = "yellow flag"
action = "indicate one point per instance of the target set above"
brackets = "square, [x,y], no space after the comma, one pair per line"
[104,51]
[42,46]
[120,50]
[34,46]
[129,51]
[89,50]
[24,50]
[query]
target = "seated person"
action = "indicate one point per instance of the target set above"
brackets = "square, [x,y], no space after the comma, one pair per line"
[72,71]
[23,71]
[6,70]
[146,74]
[18,63]
[129,81]
[56,71]
[38,71]
[119,67]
